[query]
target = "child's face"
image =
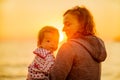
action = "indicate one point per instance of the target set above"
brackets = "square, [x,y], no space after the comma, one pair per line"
[50,41]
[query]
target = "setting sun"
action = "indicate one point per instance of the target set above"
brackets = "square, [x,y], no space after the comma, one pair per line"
[62,36]
[58,24]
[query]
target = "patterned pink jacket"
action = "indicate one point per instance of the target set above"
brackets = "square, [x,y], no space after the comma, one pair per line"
[39,68]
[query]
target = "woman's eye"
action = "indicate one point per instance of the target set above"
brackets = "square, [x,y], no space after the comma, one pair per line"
[68,24]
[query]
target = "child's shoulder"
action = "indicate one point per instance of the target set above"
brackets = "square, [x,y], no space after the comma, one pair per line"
[41,52]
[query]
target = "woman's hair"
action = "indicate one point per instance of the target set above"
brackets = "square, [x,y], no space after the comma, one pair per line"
[45,29]
[85,18]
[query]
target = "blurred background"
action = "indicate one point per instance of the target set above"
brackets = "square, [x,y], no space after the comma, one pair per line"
[20,21]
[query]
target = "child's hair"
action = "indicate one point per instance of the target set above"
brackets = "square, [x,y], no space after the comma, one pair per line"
[85,17]
[45,29]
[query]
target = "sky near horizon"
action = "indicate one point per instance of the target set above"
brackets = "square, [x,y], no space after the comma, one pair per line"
[24,18]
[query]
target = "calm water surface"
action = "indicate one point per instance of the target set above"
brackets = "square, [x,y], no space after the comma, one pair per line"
[15,56]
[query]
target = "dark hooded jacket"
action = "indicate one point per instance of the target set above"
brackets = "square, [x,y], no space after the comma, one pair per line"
[79,59]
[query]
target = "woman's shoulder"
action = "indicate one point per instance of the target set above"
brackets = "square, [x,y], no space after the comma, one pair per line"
[67,47]
[67,44]
[66,51]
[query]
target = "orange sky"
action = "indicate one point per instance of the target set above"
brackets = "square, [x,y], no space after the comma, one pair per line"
[23,18]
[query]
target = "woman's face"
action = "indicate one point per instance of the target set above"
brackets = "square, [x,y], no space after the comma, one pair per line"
[71,25]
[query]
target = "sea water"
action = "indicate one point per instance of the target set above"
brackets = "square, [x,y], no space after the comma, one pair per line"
[16,55]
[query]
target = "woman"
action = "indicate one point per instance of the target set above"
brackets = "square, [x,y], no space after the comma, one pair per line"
[81,56]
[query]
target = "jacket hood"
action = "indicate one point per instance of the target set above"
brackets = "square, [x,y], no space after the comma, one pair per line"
[95,46]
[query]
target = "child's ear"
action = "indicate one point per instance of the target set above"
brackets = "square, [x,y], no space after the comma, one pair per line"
[39,44]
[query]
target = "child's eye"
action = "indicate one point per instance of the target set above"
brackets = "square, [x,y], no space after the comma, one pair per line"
[48,41]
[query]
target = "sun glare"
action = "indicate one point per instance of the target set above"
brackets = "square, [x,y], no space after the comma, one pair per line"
[58,25]
[61,36]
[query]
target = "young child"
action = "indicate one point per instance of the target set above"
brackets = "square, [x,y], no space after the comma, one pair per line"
[48,39]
